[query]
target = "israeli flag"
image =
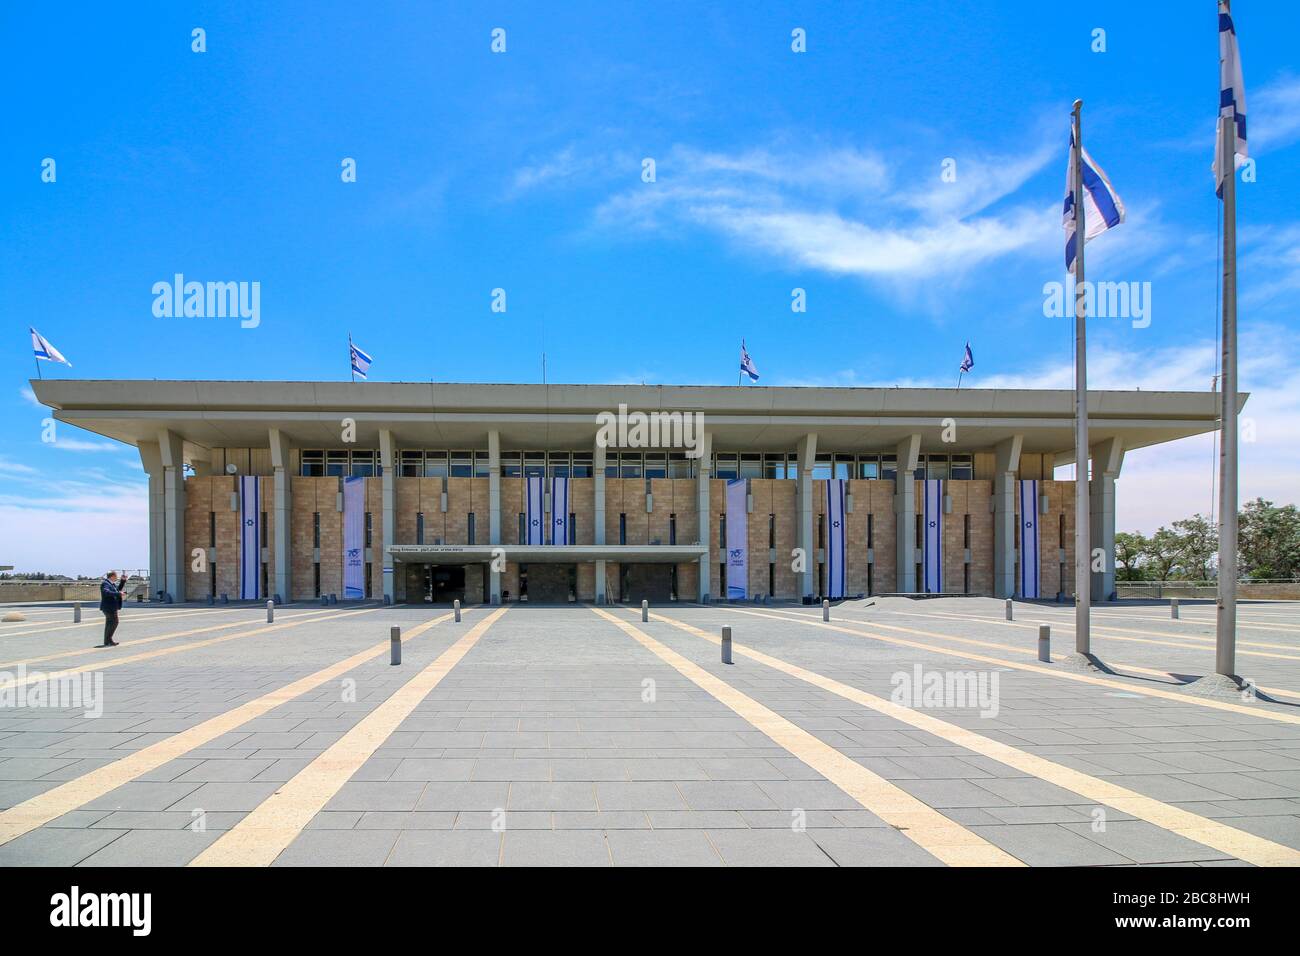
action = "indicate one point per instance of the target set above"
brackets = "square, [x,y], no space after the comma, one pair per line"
[835,526]
[360,360]
[1102,207]
[967,360]
[747,363]
[932,518]
[44,350]
[559,510]
[1232,97]
[1029,552]
[250,544]
[534,511]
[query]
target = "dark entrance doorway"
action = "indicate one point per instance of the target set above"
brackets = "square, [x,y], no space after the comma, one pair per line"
[548,583]
[655,583]
[444,583]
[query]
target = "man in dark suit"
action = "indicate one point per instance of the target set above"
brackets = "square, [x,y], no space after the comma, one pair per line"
[110,602]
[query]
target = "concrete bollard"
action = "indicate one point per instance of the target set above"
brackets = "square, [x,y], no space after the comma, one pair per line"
[270,612]
[1173,608]
[1008,609]
[826,610]
[225,598]
[76,612]
[324,600]
[1045,643]
[395,645]
[645,611]
[726,645]
[455,606]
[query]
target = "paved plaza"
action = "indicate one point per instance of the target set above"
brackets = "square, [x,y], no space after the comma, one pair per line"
[901,733]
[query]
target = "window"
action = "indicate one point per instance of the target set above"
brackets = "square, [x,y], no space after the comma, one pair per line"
[844,466]
[822,467]
[622,529]
[336,463]
[462,464]
[482,464]
[435,464]
[523,532]
[871,530]
[510,466]
[419,527]
[581,467]
[369,528]
[315,530]
[722,537]
[962,469]
[889,467]
[212,529]
[557,464]
[774,466]
[656,464]
[611,463]
[936,466]
[919,474]
[725,465]
[411,464]
[313,464]
[679,466]
[629,464]
[534,464]
[262,531]
[369,580]
[965,531]
[363,464]
[869,466]
[672,529]
[751,465]
[771,531]
[469,528]
[316,578]
[571,529]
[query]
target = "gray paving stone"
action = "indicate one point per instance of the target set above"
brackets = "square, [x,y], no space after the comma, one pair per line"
[55,846]
[339,848]
[446,848]
[662,848]
[555,848]
[152,848]
[768,848]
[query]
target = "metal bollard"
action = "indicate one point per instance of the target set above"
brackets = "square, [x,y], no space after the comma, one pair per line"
[270,612]
[1173,608]
[76,612]
[395,645]
[726,645]
[455,606]
[1008,609]
[645,610]
[826,610]
[1045,643]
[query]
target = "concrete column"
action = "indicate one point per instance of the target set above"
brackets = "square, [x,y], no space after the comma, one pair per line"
[703,474]
[280,461]
[1107,460]
[598,513]
[805,540]
[172,449]
[494,513]
[1007,454]
[151,461]
[905,511]
[388,462]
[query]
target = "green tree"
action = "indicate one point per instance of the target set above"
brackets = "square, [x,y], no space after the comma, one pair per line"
[1130,548]
[1162,553]
[1198,543]
[1268,540]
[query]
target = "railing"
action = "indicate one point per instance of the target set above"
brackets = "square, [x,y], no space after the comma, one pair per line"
[1274,588]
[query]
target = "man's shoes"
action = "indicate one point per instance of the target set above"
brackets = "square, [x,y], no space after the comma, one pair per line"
[109,644]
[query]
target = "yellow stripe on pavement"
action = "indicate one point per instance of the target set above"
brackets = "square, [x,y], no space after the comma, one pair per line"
[261,836]
[126,619]
[1218,836]
[943,838]
[107,662]
[48,806]
[1033,668]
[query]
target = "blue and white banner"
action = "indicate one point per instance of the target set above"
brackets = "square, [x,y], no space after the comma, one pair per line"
[354,539]
[250,538]
[1102,207]
[737,539]
[44,350]
[1232,98]
[1029,552]
[835,550]
[559,511]
[932,519]
[534,511]
[360,360]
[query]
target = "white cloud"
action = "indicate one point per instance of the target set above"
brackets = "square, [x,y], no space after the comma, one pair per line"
[73,526]
[29,396]
[77,444]
[1273,114]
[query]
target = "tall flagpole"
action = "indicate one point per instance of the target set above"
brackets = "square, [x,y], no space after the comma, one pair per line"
[1225,631]
[1082,552]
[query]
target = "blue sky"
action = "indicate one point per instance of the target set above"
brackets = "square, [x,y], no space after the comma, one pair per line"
[775,170]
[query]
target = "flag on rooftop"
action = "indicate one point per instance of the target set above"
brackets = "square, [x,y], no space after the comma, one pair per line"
[360,360]
[44,350]
[747,363]
[967,360]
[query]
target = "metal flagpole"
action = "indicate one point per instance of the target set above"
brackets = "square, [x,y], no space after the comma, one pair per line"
[1082,552]
[1225,631]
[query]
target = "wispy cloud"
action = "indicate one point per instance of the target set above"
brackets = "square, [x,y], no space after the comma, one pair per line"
[29,396]
[80,445]
[1274,114]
